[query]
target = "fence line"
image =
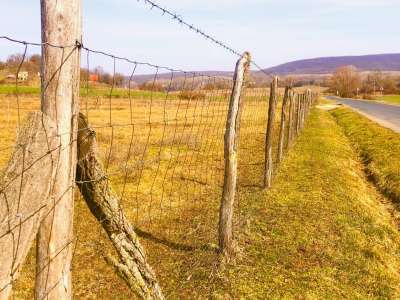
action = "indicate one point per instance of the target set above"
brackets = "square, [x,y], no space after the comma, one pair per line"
[150,163]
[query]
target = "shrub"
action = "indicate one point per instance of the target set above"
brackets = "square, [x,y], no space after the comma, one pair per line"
[191,95]
[150,86]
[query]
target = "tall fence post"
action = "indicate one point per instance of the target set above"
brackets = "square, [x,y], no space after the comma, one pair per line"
[273,100]
[283,124]
[61,25]
[230,153]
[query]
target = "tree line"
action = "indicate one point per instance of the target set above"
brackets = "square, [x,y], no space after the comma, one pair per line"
[347,81]
[31,64]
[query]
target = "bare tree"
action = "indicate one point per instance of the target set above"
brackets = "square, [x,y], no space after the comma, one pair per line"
[389,85]
[345,81]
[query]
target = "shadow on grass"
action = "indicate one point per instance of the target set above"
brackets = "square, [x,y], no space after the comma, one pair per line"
[173,245]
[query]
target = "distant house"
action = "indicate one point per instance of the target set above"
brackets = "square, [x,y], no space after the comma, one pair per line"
[94,77]
[23,76]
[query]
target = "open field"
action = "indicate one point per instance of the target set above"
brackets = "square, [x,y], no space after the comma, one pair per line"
[378,146]
[321,231]
[90,91]
[164,158]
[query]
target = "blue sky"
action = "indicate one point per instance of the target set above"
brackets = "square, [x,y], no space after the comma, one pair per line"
[274,31]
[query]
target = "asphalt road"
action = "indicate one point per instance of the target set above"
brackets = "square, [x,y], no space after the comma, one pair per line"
[385,114]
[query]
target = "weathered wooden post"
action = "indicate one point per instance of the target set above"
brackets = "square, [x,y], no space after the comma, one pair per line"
[308,102]
[283,124]
[61,25]
[303,104]
[131,264]
[301,108]
[303,111]
[297,113]
[291,118]
[273,101]
[230,152]
[24,195]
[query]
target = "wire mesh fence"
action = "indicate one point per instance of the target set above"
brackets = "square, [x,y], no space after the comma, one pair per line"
[160,144]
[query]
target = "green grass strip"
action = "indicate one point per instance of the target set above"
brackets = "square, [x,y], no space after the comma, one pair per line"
[321,232]
[393,99]
[103,92]
[378,146]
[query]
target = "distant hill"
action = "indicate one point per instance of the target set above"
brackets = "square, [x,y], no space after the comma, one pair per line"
[326,65]
[167,76]
[307,69]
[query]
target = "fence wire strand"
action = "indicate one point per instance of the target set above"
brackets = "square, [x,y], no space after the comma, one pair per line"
[160,139]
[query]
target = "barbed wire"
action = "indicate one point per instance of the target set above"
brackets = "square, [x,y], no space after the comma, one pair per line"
[174,16]
[197,30]
[162,151]
[192,27]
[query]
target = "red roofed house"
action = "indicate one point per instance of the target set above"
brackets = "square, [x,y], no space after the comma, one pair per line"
[94,77]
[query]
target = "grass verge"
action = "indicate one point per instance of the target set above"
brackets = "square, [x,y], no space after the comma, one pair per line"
[379,148]
[320,232]
[393,99]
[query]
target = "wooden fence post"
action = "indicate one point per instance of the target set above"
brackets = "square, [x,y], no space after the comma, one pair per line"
[61,25]
[283,124]
[301,112]
[273,101]
[296,114]
[308,101]
[25,195]
[291,119]
[304,112]
[230,153]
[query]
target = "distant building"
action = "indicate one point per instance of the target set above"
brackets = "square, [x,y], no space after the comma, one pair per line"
[94,77]
[23,76]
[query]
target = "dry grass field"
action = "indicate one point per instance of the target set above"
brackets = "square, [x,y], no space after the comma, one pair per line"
[321,231]
[164,159]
